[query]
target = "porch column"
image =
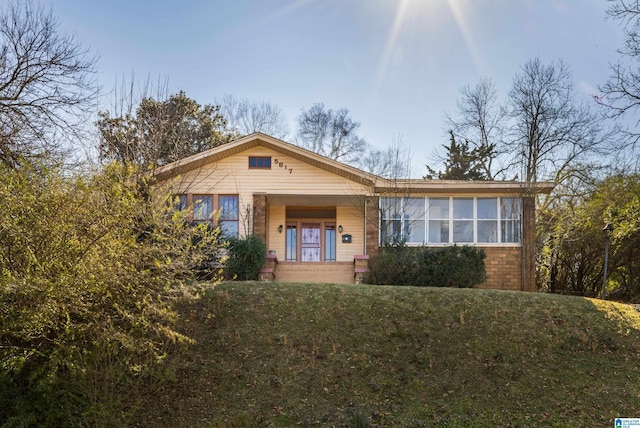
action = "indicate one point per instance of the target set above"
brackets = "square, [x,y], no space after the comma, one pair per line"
[372,225]
[260,216]
[529,244]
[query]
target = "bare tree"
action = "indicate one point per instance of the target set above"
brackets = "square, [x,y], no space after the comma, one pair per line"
[551,132]
[47,84]
[246,117]
[620,95]
[330,133]
[394,162]
[480,122]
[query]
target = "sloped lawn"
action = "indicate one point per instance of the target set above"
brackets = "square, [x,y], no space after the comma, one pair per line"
[271,354]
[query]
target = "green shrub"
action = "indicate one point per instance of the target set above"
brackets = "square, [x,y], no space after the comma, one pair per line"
[246,257]
[90,267]
[456,266]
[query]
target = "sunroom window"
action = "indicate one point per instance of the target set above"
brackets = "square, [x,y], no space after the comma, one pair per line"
[462,220]
[510,219]
[450,220]
[414,214]
[487,215]
[391,220]
[438,215]
[180,202]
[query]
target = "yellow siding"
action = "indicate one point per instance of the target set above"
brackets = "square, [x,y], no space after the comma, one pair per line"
[276,240]
[232,175]
[352,221]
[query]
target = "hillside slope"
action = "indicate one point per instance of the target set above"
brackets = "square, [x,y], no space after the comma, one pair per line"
[344,355]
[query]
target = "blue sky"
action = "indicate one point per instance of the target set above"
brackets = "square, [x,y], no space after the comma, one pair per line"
[396,65]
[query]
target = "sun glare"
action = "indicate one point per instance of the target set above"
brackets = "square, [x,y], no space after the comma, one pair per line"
[429,14]
[460,11]
[391,43]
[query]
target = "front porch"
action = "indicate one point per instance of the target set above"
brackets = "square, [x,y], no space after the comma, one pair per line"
[316,272]
[329,272]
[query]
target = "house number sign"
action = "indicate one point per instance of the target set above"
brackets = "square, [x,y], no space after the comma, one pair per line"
[281,164]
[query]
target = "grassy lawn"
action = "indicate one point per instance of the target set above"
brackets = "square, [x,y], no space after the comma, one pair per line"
[343,355]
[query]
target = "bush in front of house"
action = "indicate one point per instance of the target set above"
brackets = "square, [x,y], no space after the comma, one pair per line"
[246,257]
[456,266]
[92,267]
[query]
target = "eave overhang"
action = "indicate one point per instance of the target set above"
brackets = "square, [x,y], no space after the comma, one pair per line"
[416,186]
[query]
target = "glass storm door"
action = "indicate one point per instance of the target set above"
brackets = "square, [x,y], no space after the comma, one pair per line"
[310,242]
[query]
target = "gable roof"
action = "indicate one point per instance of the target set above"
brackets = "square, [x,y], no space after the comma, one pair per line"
[380,184]
[259,139]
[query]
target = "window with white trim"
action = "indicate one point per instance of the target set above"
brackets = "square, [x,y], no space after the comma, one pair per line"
[414,215]
[463,220]
[391,221]
[438,223]
[450,220]
[487,219]
[510,209]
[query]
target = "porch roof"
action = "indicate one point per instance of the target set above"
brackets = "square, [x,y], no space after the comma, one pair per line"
[314,200]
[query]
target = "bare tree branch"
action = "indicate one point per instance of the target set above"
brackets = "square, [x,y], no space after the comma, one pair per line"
[394,162]
[330,133]
[551,132]
[480,121]
[246,117]
[620,95]
[47,84]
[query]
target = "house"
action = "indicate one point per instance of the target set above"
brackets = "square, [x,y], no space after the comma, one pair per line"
[322,219]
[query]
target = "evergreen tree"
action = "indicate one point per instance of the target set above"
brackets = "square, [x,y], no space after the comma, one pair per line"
[461,162]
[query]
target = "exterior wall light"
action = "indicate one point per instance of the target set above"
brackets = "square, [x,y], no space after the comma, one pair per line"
[280,229]
[340,229]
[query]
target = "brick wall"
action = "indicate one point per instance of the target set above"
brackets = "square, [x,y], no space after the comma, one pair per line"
[504,268]
[372,212]
[260,215]
[504,265]
[529,242]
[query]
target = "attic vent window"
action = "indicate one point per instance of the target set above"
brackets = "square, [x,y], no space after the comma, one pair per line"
[259,162]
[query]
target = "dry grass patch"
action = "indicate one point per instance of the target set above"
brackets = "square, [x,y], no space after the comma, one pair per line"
[340,355]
